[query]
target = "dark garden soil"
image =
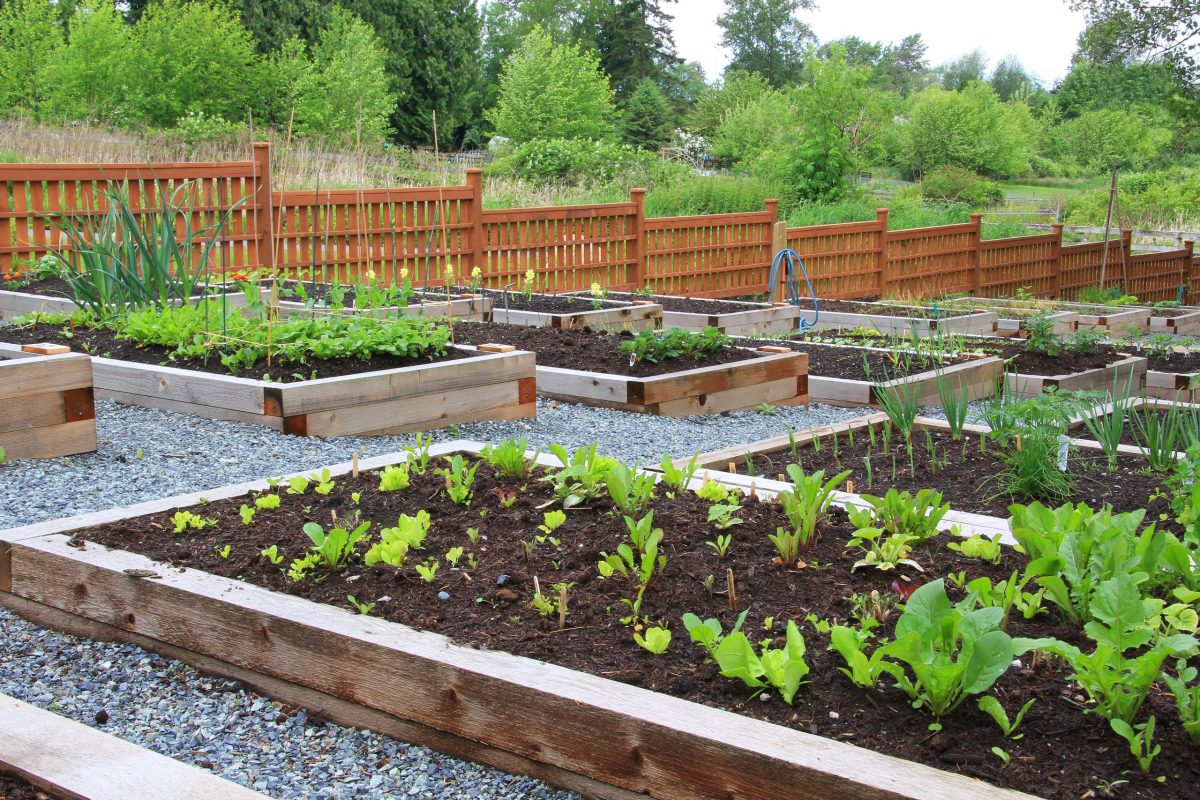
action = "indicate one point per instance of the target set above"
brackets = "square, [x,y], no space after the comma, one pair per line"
[913,312]
[583,349]
[1021,360]
[1170,313]
[852,363]
[104,343]
[487,603]
[691,305]
[14,787]
[542,303]
[1172,362]
[51,287]
[965,472]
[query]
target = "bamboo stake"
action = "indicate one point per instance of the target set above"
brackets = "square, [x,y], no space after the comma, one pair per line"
[1112,196]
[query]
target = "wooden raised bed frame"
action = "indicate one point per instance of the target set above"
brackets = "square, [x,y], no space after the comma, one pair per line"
[756,320]
[68,758]
[47,406]
[16,304]
[473,309]
[775,378]
[1183,325]
[489,386]
[983,322]
[1131,368]
[636,317]
[596,736]
[980,375]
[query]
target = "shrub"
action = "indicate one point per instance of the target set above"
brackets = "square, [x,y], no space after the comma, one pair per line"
[575,161]
[951,184]
[691,193]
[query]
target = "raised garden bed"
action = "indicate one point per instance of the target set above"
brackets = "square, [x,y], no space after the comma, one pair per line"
[1179,321]
[569,310]
[608,738]
[966,478]
[735,318]
[47,407]
[1013,314]
[44,296]
[589,367]
[1116,319]
[853,376]
[894,318]
[334,397]
[43,752]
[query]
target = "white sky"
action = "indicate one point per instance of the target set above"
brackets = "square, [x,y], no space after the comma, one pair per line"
[1041,33]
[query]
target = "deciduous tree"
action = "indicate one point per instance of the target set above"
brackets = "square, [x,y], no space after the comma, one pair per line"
[766,37]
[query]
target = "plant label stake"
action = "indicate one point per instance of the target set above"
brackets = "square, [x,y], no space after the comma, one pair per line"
[562,607]
[731,589]
[1064,446]
[354,466]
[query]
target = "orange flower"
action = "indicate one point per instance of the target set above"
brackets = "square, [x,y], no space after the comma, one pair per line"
[237,276]
[11,276]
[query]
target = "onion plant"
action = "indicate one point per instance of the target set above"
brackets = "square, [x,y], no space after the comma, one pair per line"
[1158,436]
[1107,426]
[127,258]
[956,403]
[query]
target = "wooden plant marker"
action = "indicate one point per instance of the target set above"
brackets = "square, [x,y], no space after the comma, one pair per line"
[45,349]
[491,347]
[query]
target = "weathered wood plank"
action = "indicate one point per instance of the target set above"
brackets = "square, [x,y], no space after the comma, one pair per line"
[69,758]
[709,380]
[24,377]
[742,398]
[582,385]
[195,409]
[51,441]
[200,389]
[432,410]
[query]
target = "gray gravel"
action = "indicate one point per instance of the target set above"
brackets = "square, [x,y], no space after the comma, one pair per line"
[166,706]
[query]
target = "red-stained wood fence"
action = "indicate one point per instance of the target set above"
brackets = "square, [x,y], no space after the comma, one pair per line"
[430,235]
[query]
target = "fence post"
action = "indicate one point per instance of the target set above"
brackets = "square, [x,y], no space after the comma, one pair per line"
[476,245]
[637,246]
[881,253]
[976,252]
[779,241]
[1056,262]
[1188,269]
[264,211]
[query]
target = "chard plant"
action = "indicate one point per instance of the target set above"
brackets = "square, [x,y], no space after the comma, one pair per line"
[708,633]
[508,458]
[583,475]
[985,548]
[804,505]
[677,479]
[883,551]
[459,479]
[629,489]
[334,547]
[901,513]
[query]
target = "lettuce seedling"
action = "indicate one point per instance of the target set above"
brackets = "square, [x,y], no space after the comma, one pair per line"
[394,478]
[991,706]
[630,490]
[656,640]
[881,551]
[362,608]
[508,458]
[783,668]
[459,479]
[428,571]
[582,477]
[708,633]
[335,546]
[394,543]
[982,547]
[267,501]
[247,514]
[186,520]
[272,554]
[552,521]
[676,478]
[722,516]
[298,485]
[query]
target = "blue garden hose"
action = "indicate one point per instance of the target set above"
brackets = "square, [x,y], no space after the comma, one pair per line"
[783,267]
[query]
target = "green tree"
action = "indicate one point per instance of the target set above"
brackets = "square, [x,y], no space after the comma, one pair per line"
[843,97]
[766,37]
[736,90]
[1090,86]
[1010,80]
[903,67]
[345,93]
[552,91]
[967,68]
[432,51]
[685,85]
[1125,31]
[191,57]
[971,129]
[756,125]
[273,22]
[1110,137]
[288,76]
[647,122]
[634,43]
[30,40]
[90,77]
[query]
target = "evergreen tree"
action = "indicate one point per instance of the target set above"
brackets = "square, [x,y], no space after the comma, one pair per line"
[766,37]
[432,51]
[31,37]
[1010,79]
[273,22]
[967,68]
[635,43]
[647,122]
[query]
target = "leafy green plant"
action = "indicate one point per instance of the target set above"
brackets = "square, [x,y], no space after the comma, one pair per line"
[901,513]
[1187,698]
[1140,739]
[656,640]
[1029,433]
[267,501]
[418,453]
[186,520]
[552,521]
[362,608]
[1040,335]
[1085,341]
[247,514]
[804,505]
[656,346]
[986,548]
[1006,595]
[782,668]
[863,670]
[298,484]
[956,403]
[427,571]
[629,489]
[708,633]
[459,479]
[882,551]
[721,544]
[582,477]
[394,543]
[508,458]
[723,516]
[394,478]
[991,706]
[336,545]
[272,554]
[677,479]
[712,492]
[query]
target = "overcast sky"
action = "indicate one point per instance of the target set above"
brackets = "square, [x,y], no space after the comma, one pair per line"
[1041,33]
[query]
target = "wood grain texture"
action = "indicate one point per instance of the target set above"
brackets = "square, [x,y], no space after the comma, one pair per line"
[71,759]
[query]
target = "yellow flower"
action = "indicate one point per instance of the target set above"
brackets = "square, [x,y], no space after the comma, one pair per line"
[597,290]
[404,273]
[530,276]
[477,273]
[370,274]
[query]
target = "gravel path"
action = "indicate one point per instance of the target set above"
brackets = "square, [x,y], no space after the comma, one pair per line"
[166,706]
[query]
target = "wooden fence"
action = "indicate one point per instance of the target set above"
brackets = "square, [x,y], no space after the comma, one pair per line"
[425,233]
